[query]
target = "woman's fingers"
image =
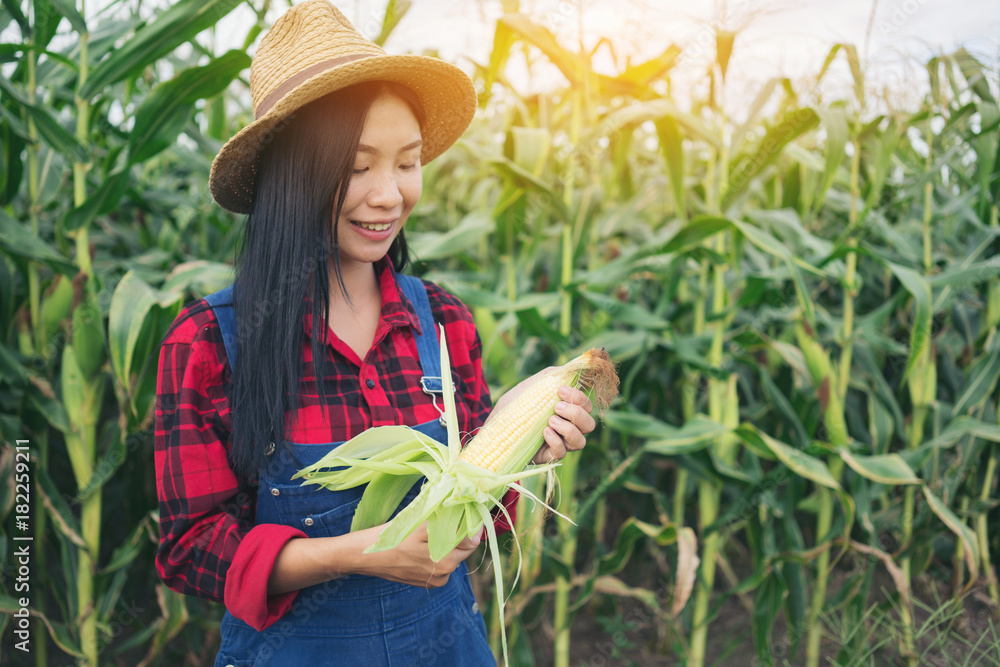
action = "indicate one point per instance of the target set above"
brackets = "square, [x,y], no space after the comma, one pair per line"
[576,397]
[576,415]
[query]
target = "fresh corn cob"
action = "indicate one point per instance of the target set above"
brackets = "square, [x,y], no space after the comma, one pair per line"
[509,440]
[462,486]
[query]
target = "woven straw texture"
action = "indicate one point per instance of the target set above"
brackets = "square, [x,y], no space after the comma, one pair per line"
[307,36]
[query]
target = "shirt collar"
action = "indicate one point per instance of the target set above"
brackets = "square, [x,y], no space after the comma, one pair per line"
[397,311]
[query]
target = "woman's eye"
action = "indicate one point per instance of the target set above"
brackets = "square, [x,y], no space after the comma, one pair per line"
[360,170]
[408,166]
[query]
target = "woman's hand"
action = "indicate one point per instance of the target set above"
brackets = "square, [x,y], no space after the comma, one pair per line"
[307,562]
[567,428]
[410,562]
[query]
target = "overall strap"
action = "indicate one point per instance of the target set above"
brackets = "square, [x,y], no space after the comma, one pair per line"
[222,305]
[427,342]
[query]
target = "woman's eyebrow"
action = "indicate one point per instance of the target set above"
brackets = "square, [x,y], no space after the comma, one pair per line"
[365,148]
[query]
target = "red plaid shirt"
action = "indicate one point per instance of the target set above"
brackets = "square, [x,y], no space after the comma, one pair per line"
[209,543]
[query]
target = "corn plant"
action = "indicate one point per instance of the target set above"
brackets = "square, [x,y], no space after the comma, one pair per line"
[79,301]
[800,291]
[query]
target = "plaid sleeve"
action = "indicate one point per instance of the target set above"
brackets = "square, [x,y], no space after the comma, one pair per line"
[464,340]
[206,513]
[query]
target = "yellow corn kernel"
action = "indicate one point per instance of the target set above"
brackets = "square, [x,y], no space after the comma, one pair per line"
[510,431]
[508,441]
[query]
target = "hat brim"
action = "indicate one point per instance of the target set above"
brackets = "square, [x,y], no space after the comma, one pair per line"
[445,92]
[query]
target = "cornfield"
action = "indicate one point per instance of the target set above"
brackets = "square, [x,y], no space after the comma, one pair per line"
[802,295]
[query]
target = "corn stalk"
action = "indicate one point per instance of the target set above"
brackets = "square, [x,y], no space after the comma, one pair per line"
[723,406]
[81,367]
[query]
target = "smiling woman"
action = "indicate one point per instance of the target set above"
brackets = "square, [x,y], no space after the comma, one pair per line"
[328,174]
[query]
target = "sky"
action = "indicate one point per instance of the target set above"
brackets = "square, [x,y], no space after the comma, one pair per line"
[788,38]
[776,37]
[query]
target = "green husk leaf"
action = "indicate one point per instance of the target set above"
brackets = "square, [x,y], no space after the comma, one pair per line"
[380,499]
[374,442]
[450,413]
[426,503]
[444,530]
[491,532]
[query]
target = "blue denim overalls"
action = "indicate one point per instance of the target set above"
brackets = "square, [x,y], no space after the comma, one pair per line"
[355,619]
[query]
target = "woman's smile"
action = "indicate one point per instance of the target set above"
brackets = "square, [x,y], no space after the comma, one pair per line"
[375,231]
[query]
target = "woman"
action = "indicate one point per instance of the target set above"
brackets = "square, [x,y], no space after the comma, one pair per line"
[330,340]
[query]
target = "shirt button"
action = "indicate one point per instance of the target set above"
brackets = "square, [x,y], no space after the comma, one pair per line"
[475,607]
[370,382]
[308,521]
[275,492]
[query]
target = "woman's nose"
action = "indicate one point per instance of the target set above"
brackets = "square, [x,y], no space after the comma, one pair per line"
[385,191]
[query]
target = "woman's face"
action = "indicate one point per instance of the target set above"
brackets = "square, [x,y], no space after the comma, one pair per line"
[386,183]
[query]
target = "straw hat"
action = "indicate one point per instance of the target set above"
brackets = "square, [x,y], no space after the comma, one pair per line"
[313,50]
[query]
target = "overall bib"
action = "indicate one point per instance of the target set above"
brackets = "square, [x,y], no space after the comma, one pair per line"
[354,619]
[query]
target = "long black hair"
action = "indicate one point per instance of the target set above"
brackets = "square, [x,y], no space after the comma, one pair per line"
[288,243]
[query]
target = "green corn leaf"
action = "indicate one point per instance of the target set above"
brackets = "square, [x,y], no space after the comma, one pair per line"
[638,424]
[835,123]
[15,11]
[205,276]
[129,317]
[57,507]
[672,148]
[957,526]
[694,233]
[631,314]
[918,288]
[67,9]
[983,379]
[783,407]
[466,235]
[884,469]
[853,61]
[126,552]
[173,617]
[542,38]
[975,74]
[696,434]
[57,136]
[59,632]
[107,197]
[17,239]
[41,396]
[166,111]
[629,534]
[801,463]
[749,165]
[767,604]
[178,24]
[105,469]
[394,13]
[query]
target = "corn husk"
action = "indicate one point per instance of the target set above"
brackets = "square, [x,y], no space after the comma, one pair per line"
[458,497]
